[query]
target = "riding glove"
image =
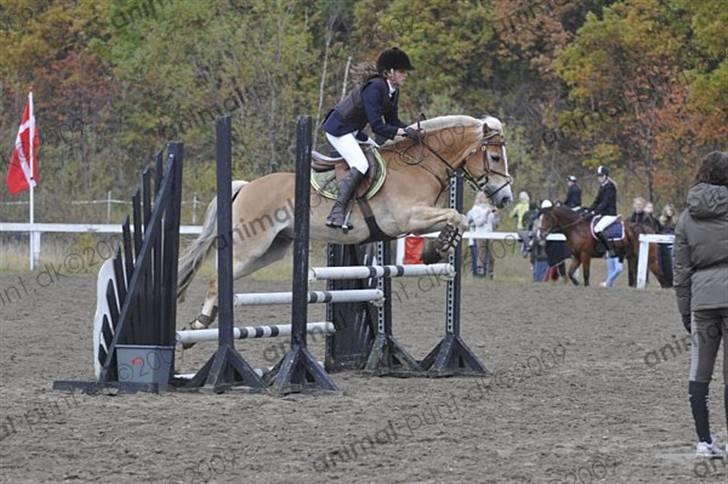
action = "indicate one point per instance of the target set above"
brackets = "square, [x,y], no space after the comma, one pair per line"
[414,134]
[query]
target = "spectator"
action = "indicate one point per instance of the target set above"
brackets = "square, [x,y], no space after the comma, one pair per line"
[666,219]
[665,250]
[520,210]
[573,196]
[483,217]
[700,265]
[539,257]
[638,213]
[473,252]
[650,219]
[530,217]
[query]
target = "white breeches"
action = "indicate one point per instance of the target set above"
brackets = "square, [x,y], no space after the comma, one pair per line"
[604,222]
[348,147]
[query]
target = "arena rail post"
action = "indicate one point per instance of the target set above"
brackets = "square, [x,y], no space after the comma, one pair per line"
[226,367]
[299,371]
[451,356]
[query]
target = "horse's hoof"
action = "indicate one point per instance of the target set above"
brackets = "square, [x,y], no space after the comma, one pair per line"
[192,326]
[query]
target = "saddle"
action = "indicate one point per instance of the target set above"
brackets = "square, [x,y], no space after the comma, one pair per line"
[613,231]
[328,170]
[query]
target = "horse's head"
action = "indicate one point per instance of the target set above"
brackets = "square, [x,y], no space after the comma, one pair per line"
[554,220]
[546,224]
[487,164]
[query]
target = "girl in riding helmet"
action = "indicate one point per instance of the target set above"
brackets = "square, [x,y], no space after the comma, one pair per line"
[373,103]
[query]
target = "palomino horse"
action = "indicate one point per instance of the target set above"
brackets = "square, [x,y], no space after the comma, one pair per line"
[584,246]
[417,175]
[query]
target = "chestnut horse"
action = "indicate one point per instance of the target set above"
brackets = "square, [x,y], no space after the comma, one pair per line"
[409,201]
[584,246]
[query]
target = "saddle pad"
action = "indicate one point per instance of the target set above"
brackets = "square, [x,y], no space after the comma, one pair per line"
[326,185]
[614,231]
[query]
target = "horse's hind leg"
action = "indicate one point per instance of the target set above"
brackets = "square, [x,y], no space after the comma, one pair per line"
[243,265]
[655,265]
[586,267]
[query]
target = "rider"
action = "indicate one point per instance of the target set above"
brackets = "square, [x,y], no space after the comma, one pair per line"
[605,204]
[573,196]
[375,102]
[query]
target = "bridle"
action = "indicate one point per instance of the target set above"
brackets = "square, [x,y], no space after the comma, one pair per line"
[493,138]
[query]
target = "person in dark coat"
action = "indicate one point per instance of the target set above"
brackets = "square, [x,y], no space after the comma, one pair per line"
[375,102]
[638,213]
[650,219]
[573,196]
[700,266]
[605,204]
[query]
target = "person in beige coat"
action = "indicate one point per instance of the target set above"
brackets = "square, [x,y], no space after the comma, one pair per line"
[700,266]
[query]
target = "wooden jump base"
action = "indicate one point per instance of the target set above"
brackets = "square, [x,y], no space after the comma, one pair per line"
[251,332]
[326,297]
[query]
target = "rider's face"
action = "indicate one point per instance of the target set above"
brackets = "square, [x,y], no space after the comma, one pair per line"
[397,77]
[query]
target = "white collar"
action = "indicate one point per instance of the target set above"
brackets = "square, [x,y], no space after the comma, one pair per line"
[392,90]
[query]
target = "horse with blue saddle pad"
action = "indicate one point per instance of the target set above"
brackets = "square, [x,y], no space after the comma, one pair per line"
[621,237]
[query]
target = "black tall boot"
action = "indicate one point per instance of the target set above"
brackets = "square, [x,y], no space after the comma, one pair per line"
[347,187]
[603,240]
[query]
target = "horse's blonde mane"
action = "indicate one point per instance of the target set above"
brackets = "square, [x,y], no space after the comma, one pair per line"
[450,121]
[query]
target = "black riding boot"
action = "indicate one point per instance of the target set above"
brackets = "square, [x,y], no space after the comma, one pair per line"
[603,240]
[347,187]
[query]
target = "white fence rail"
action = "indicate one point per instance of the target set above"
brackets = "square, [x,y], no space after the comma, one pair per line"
[645,241]
[37,229]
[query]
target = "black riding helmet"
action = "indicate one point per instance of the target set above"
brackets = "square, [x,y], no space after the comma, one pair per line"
[603,170]
[393,58]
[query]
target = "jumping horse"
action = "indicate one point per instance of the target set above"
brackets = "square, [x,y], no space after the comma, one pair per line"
[583,245]
[409,201]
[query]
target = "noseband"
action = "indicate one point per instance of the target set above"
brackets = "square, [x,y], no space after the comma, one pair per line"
[482,181]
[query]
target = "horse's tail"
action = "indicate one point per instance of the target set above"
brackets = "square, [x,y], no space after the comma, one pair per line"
[196,253]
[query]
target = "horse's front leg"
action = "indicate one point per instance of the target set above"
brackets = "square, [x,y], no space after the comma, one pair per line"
[573,266]
[451,224]
[433,219]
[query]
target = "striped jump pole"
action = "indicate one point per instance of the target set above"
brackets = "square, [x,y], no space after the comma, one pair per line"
[321,297]
[452,356]
[367,272]
[251,332]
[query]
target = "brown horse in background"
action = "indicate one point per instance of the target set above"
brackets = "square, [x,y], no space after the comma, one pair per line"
[584,246]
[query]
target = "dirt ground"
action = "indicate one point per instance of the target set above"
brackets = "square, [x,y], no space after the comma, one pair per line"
[583,390]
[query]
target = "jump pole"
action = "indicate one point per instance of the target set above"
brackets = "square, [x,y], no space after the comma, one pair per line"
[227,367]
[451,356]
[299,371]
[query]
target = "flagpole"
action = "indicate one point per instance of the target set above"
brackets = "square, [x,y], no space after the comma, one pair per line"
[32,182]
